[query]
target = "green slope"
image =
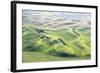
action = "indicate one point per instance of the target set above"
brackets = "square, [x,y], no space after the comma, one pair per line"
[69,42]
[41,57]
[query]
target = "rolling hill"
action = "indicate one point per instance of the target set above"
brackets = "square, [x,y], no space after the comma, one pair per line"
[66,43]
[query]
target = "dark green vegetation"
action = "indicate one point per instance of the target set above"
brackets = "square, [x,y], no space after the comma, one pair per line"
[42,57]
[41,45]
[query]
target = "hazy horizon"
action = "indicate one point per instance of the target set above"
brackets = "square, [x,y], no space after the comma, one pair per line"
[31,16]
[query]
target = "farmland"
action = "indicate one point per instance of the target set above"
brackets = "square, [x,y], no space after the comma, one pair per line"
[40,45]
[55,36]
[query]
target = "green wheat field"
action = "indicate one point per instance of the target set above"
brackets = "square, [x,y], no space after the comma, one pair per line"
[55,36]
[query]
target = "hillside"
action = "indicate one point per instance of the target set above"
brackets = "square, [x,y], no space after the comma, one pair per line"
[55,35]
[61,43]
